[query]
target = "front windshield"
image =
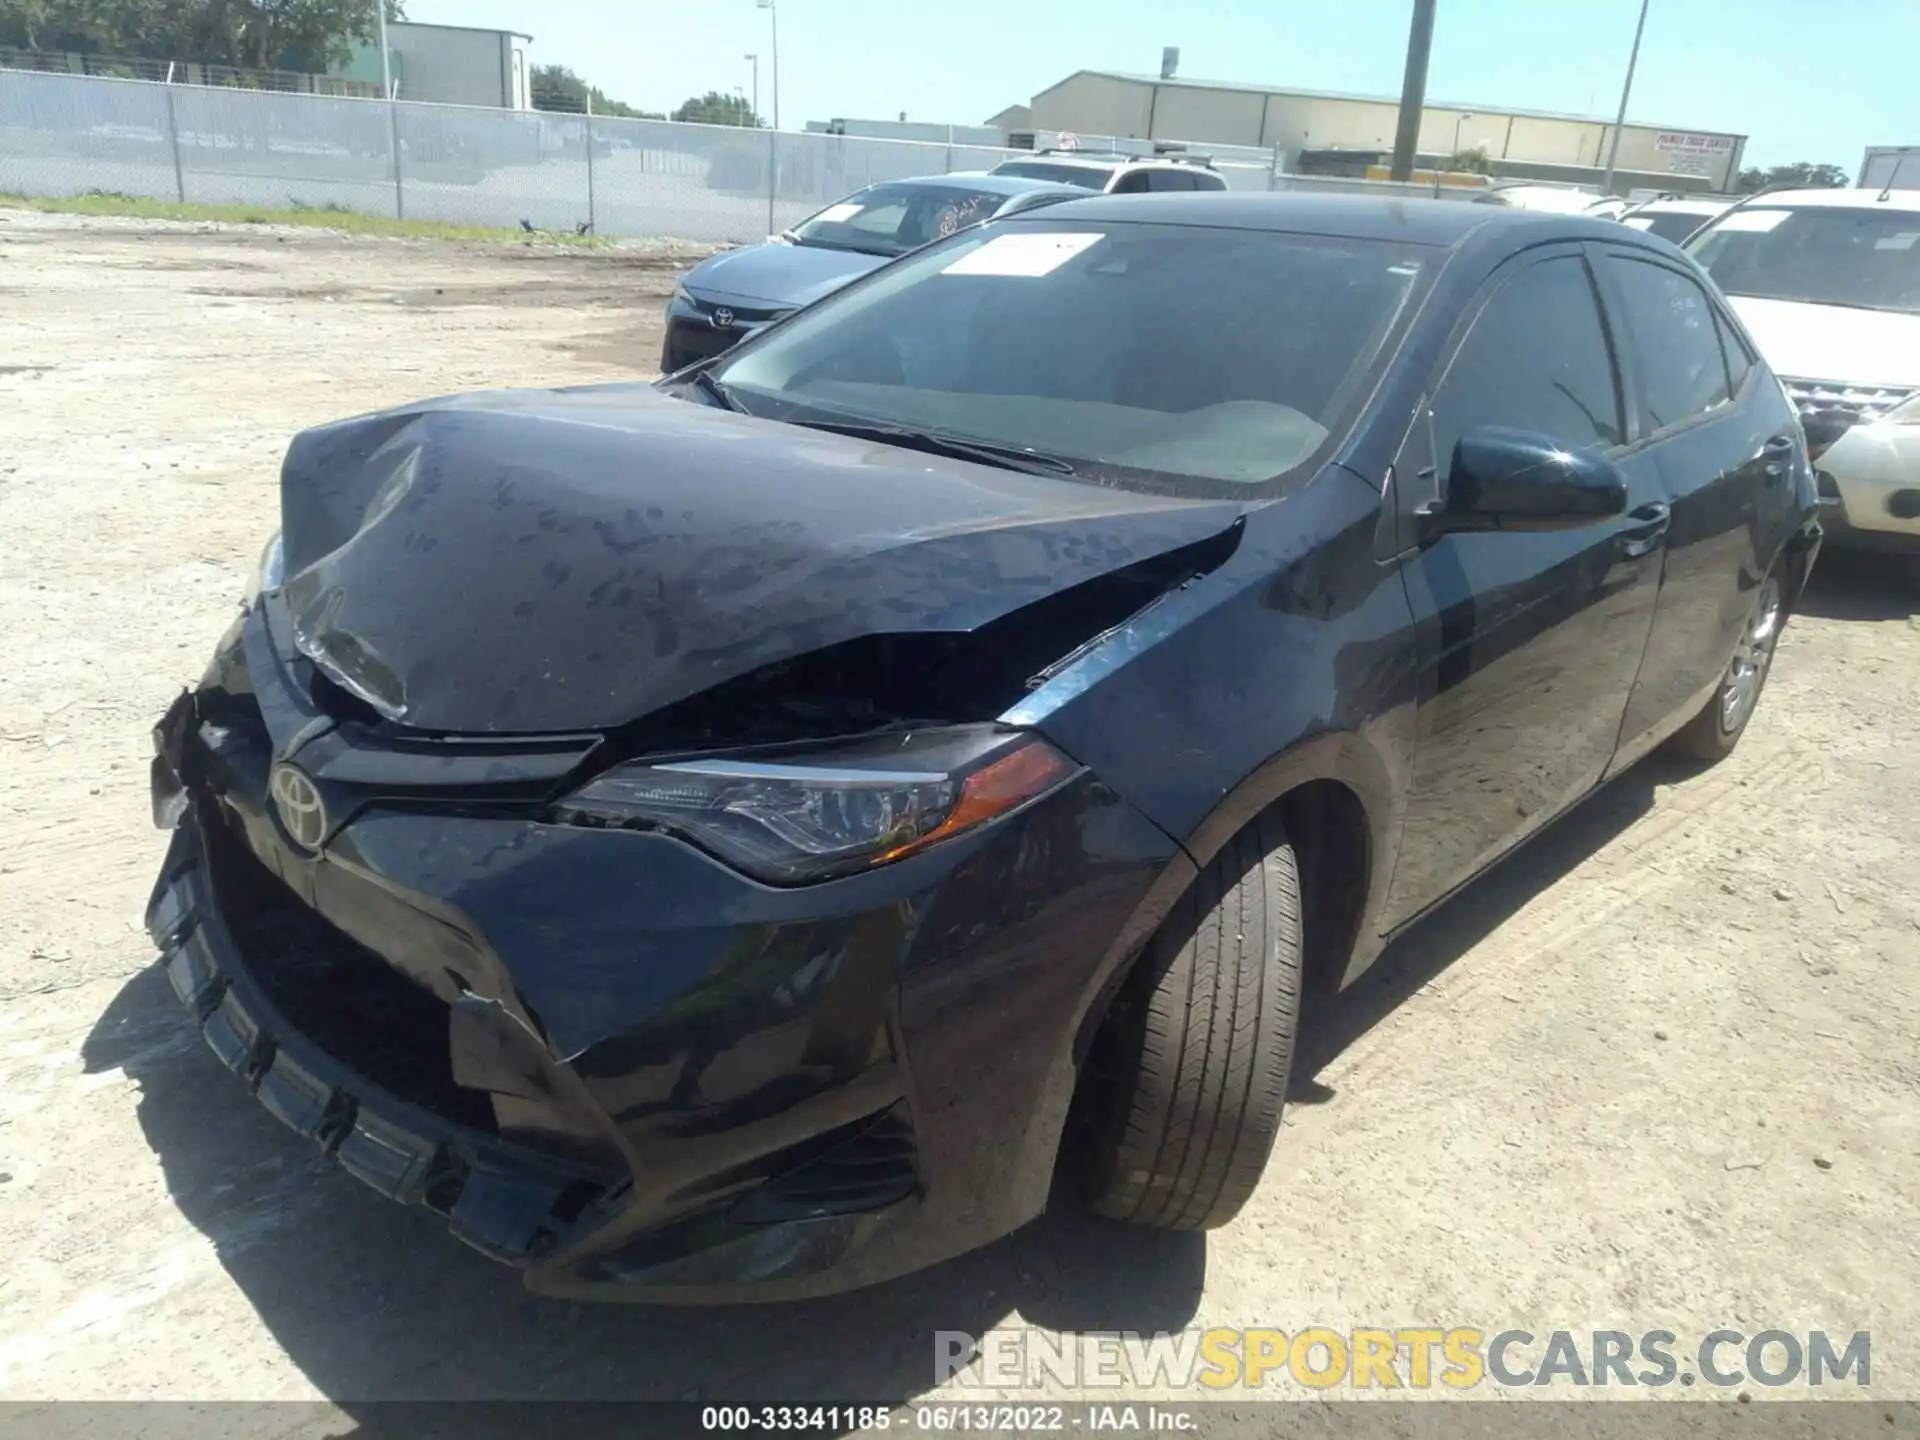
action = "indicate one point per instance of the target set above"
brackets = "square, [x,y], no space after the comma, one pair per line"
[896,217]
[1171,358]
[1859,257]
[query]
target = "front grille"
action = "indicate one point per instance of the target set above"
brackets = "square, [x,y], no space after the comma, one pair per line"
[1866,403]
[339,995]
[742,314]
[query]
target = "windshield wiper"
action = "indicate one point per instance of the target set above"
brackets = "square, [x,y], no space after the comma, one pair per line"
[957,447]
[703,381]
[818,244]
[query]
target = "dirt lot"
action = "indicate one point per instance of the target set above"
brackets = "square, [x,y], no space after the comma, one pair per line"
[1661,1070]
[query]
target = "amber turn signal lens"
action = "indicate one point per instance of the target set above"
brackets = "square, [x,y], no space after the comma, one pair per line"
[1007,784]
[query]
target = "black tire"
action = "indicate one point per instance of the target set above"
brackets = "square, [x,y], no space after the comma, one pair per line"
[1188,1076]
[1712,734]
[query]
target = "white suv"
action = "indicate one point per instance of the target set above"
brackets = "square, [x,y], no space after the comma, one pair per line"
[1828,284]
[1114,173]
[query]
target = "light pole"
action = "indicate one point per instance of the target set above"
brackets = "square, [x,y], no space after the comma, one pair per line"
[1454,154]
[773,22]
[1633,59]
[754,60]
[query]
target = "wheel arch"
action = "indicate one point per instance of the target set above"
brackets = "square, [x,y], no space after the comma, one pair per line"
[1338,804]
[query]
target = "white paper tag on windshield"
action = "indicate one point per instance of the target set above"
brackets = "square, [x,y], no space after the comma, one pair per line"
[1902,240]
[1023,254]
[1761,220]
[837,214]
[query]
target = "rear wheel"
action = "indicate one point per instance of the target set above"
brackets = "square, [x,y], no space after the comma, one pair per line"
[1187,1078]
[1712,734]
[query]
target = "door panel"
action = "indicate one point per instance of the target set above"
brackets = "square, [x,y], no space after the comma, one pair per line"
[1720,476]
[1528,642]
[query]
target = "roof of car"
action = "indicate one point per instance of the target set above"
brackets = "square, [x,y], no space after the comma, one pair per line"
[1097,160]
[1864,199]
[1411,220]
[979,180]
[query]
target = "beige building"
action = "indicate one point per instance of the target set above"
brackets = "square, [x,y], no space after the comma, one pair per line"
[1104,102]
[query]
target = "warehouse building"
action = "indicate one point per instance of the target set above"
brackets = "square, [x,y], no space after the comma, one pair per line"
[449,65]
[1517,143]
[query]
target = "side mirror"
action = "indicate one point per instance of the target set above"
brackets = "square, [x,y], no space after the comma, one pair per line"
[1505,479]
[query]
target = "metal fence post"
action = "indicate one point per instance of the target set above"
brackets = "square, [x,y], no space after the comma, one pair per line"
[393,145]
[591,217]
[173,139]
[773,174]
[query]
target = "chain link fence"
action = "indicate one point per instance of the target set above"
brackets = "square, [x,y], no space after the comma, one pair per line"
[63,135]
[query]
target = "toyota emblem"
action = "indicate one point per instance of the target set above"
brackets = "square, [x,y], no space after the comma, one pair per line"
[301,809]
[722,318]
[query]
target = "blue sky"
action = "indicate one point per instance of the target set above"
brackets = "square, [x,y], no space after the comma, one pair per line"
[1807,82]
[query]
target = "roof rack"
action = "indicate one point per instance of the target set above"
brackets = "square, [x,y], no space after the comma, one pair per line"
[1176,157]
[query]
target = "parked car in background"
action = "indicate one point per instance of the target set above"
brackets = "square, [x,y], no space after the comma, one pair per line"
[1113,172]
[737,838]
[1552,199]
[1828,283]
[1672,217]
[727,297]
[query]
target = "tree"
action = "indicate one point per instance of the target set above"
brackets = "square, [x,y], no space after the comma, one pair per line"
[555,87]
[1473,161]
[1802,175]
[309,35]
[713,108]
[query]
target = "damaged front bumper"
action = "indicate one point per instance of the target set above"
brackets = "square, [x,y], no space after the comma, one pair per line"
[606,1057]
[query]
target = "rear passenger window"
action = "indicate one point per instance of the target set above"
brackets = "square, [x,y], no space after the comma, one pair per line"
[1169,180]
[1536,359]
[1132,183]
[1676,342]
[1739,358]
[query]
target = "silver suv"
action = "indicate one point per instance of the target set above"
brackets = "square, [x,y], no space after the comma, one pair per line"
[1115,173]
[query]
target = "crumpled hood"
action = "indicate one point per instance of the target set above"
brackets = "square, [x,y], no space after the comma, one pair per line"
[1833,342]
[573,560]
[777,273]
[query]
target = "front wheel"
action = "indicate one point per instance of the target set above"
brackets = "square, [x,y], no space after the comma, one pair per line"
[1186,1081]
[1712,734]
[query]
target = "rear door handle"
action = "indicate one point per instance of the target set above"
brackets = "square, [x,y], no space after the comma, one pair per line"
[1650,526]
[1777,452]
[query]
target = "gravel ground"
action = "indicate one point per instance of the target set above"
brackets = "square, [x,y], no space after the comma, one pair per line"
[1658,1071]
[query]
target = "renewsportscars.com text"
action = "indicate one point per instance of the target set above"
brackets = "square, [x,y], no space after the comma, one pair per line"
[1458,1358]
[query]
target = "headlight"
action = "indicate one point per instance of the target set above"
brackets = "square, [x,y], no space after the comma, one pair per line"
[268,571]
[1907,412]
[681,296]
[788,818]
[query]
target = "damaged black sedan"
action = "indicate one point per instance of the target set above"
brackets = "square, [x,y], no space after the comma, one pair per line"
[741,837]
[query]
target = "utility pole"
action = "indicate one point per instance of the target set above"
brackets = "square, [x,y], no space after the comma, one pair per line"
[1633,60]
[1413,90]
[754,60]
[773,20]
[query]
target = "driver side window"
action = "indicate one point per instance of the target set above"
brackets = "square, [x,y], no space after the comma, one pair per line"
[1536,359]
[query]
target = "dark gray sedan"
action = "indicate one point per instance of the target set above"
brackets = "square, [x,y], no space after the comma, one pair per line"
[726,298]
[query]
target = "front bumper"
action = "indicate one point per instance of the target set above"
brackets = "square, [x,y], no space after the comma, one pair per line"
[1870,487]
[605,1057]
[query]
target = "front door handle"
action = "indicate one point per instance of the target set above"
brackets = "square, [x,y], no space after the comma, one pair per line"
[1649,526]
[1777,452]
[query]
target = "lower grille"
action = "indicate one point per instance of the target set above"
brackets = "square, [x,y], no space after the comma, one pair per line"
[689,343]
[339,995]
[868,1171]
